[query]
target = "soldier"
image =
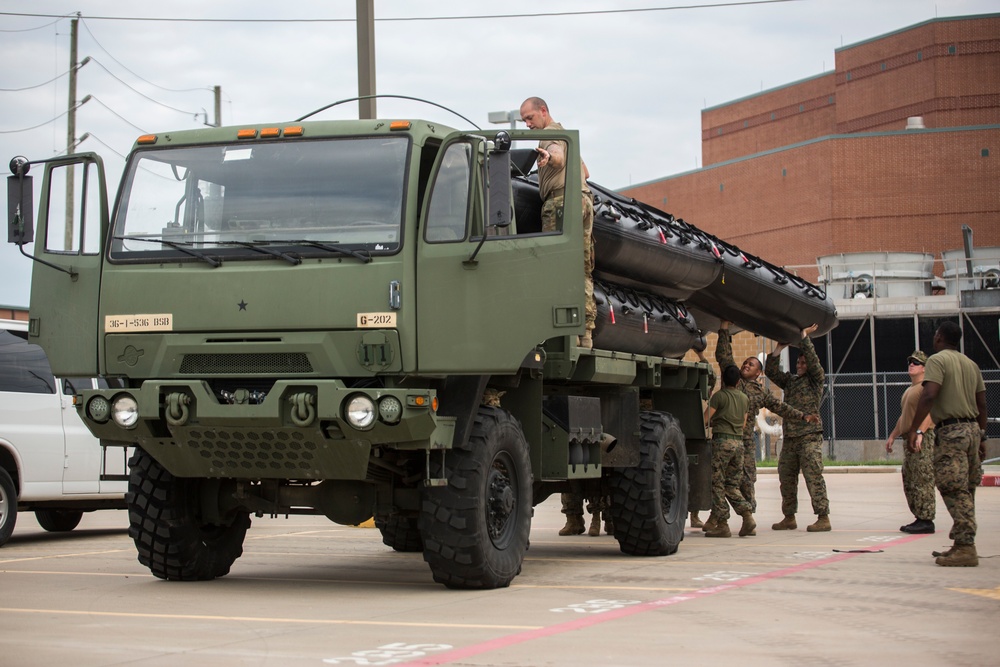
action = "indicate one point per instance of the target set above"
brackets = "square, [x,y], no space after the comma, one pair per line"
[759,398]
[552,188]
[727,413]
[918,466]
[802,449]
[955,397]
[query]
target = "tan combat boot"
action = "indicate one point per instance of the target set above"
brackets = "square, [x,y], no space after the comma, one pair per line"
[574,525]
[595,524]
[788,523]
[939,554]
[710,524]
[695,521]
[609,528]
[749,526]
[822,524]
[721,529]
[962,556]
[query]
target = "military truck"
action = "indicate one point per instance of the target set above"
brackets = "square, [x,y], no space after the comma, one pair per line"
[349,319]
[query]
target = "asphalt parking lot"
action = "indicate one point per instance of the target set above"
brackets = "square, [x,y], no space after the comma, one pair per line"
[308,592]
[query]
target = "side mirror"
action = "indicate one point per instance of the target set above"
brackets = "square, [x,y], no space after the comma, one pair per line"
[20,215]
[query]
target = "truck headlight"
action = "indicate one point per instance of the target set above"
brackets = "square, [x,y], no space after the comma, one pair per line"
[390,409]
[125,411]
[99,409]
[360,412]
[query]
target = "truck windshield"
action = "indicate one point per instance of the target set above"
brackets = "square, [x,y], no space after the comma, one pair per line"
[310,197]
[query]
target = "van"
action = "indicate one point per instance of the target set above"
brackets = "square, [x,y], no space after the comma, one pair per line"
[49,462]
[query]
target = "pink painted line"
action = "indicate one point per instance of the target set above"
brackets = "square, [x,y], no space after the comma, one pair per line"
[605,617]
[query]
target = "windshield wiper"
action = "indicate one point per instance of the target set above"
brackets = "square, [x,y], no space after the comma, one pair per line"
[366,258]
[176,245]
[261,246]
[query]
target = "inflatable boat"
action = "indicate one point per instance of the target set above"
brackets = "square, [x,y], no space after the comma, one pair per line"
[695,280]
[641,323]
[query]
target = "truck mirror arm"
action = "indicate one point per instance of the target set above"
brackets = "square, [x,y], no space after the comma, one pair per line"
[72,274]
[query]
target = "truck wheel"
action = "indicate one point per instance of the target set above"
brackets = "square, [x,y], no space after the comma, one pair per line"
[400,532]
[475,529]
[170,536]
[8,506]
[649,502]
[58,521]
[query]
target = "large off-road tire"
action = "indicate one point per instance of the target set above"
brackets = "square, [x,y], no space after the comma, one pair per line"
[400,532]
[58,521]
[165,523]
[475,529]
[649,502]
[8,506]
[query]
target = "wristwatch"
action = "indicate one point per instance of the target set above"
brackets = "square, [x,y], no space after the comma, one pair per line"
[919,432]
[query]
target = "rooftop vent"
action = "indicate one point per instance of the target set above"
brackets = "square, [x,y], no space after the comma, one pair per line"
[915,123]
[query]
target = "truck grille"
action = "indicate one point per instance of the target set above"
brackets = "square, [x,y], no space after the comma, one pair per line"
[245,364]
[282,453]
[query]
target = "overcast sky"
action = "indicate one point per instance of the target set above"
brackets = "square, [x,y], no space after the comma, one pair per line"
[633,82]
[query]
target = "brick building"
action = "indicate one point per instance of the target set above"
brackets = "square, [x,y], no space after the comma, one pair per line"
[826,165]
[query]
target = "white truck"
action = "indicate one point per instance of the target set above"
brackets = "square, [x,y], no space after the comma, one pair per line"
[49,462]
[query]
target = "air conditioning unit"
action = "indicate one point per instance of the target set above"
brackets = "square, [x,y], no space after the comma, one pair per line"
[863,286]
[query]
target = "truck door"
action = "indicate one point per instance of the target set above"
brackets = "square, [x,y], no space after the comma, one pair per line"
[72,225]
[486,314]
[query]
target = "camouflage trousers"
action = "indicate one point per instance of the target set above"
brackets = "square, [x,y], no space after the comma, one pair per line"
[803,453]
[552,220]
[918,479]
[727,475]
[749,474]
[589,490]
[957,472]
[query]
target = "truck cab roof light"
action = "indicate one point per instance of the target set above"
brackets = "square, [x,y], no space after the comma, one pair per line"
[270,132]
[146,139]
[399,125]
[250,133]
[293,131]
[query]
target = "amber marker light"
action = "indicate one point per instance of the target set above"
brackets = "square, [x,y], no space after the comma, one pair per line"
[246,134]
[146,139]
[434,404]
[399,125]
[270,132]
[293,131]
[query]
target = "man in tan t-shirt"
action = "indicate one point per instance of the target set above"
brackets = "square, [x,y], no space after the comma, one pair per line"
[918,466]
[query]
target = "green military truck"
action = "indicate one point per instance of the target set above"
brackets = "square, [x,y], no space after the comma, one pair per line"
[349,319]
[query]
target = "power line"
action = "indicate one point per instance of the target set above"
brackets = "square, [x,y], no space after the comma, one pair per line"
[141,94]
[46,25]
[126,120]
[19,90]
[119,63]
[35,127]
[420,18]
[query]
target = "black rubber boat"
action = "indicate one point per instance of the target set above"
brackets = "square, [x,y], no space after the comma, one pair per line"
[641,323]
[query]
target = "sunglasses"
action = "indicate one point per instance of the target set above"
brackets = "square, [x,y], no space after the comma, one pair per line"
[915,363]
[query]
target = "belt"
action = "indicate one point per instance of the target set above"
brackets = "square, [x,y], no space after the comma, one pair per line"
[727,436]
[955,420]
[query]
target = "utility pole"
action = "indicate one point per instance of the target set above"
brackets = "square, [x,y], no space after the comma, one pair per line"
[366,58]
[71,131]
[218,106]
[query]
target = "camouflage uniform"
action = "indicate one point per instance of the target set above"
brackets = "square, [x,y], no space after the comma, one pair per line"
[727,455]
[918,479]
[957,467]
[918,467]
[802,447]
[758,398]
[552,220]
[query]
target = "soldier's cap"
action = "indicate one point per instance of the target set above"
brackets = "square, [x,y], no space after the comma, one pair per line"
[918,357]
